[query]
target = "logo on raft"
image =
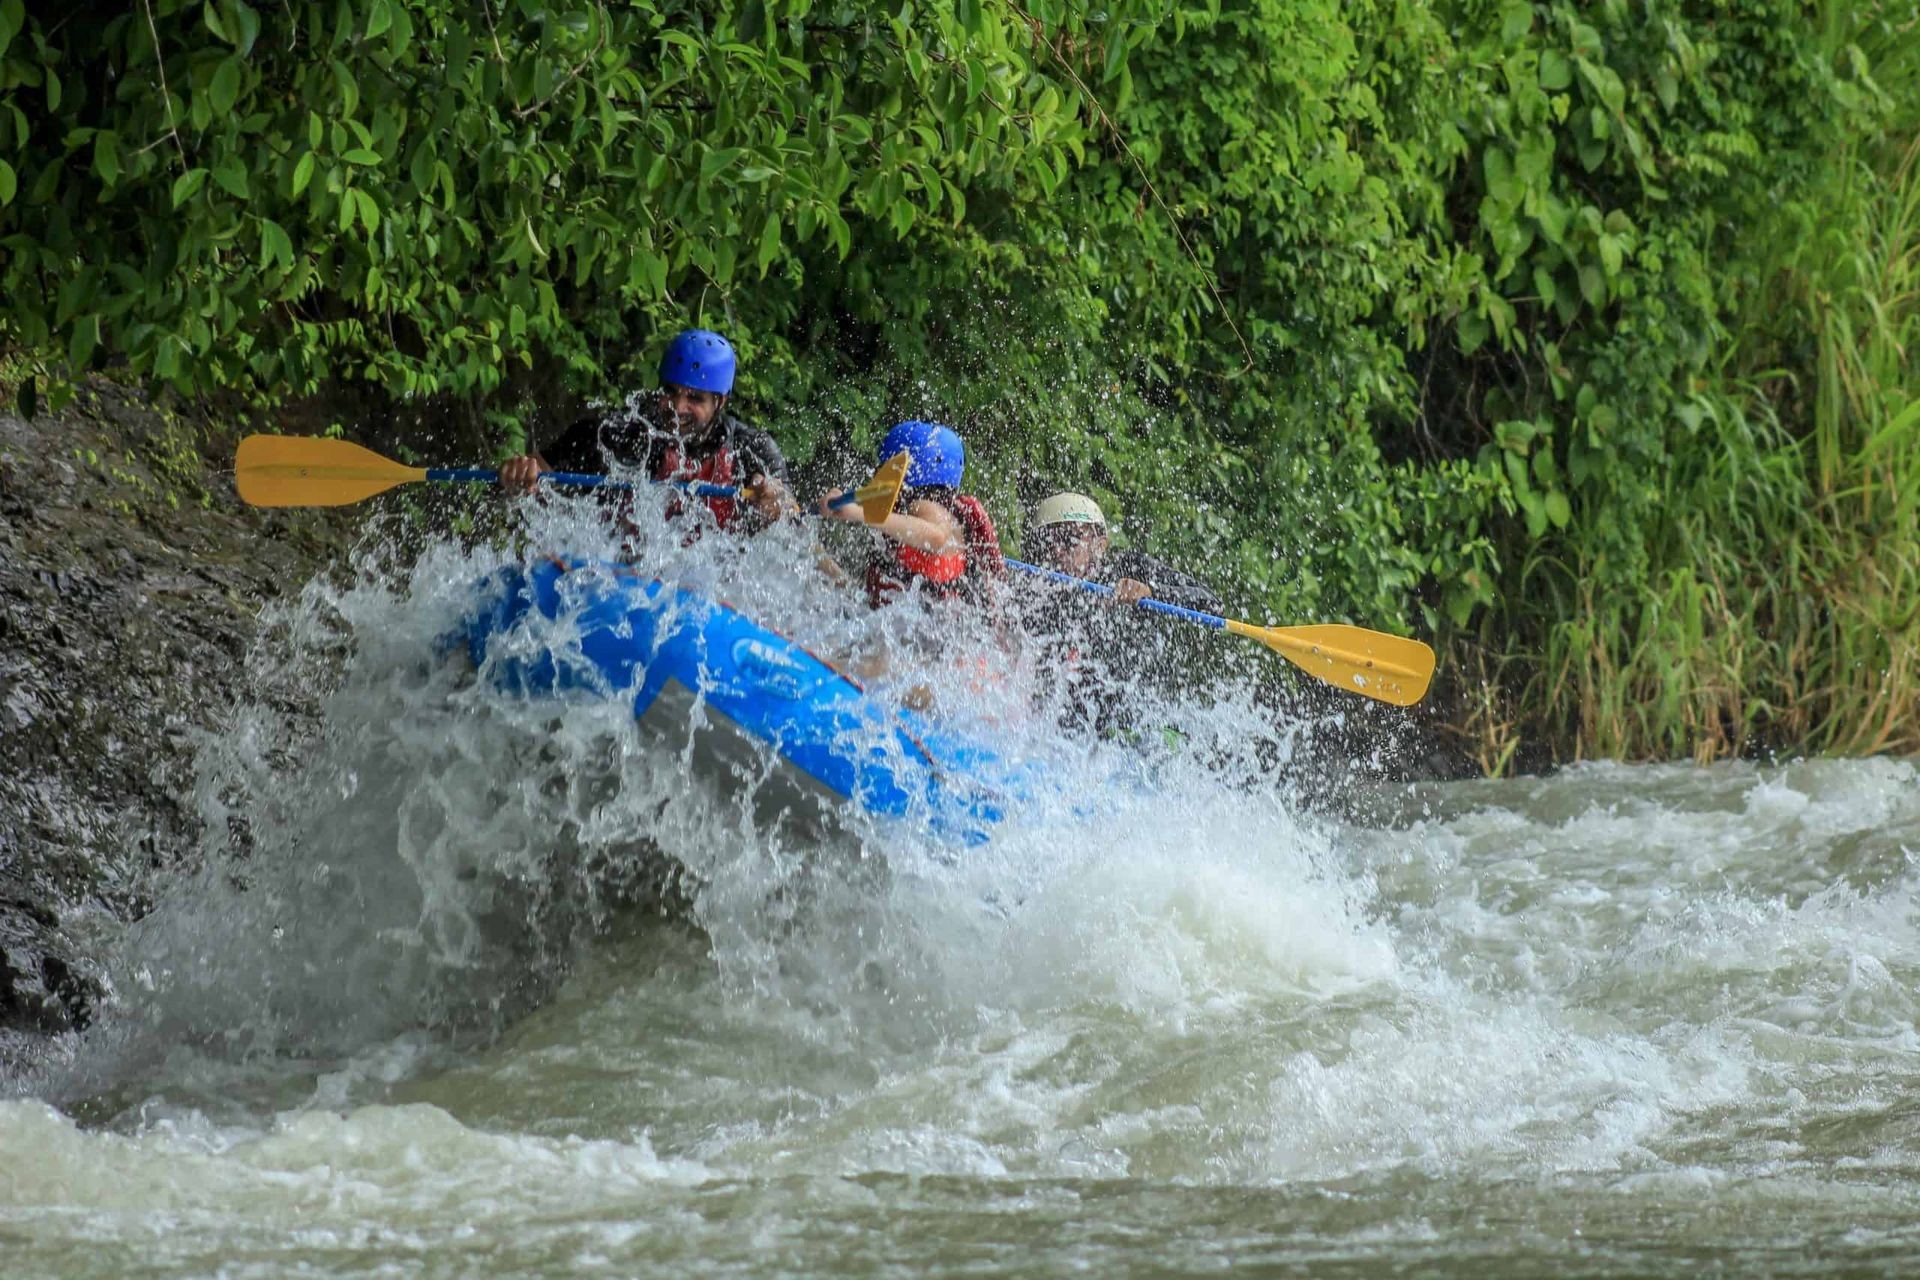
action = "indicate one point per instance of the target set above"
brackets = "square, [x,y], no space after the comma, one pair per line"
[772,670]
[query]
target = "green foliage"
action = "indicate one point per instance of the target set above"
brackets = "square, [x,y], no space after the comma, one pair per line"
[1574,333]
[424,195]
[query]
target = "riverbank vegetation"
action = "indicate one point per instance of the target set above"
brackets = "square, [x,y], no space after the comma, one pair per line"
[1575,335]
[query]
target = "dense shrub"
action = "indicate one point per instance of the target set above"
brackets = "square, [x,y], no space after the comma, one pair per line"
[1575,333]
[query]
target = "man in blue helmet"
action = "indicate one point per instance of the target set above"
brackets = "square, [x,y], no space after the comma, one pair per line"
[681,432]
[938,541]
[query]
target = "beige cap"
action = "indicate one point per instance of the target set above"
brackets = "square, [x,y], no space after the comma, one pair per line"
[1068,508]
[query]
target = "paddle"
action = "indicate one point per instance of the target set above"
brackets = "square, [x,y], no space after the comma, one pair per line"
[311,471]
[1370,663]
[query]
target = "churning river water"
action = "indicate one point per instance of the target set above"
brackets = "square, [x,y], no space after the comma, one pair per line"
[421,1016]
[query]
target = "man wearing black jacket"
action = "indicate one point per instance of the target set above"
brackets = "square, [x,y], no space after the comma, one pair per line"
[681,432]
[1102,648]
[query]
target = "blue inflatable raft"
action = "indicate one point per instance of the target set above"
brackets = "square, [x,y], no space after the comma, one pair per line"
[750,704]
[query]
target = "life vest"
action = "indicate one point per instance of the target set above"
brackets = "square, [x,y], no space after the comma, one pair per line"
[952,575]
[716,468]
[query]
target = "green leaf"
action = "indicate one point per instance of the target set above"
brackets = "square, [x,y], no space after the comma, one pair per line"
[1552,218]
[858,129]
[1516,19]
[691,50]
[231,176]
[1543,284]
[769,244]
[360,155]
[1667,86]
[976,79]
[302,173]
[1497,168]
[379,18]
[1516,467]
[402,33]
[1593,285]
[348,86]
[224,90]
[9,183]
[80,347]
[1459,607]
[1559,510]
[1536,510]
[1515,435]
[249,33]
[210,14]
[187,186]
[1556,73]
[751,23]
[276,246]
[369,210]
[1610,255]
[1472,328]
[715,161]
[1545,469]
[106,156]
[1605,83]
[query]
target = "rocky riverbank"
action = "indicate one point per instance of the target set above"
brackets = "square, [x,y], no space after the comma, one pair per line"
[131,578]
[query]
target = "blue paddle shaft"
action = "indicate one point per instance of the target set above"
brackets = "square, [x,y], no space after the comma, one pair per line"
[1102,589]
[580,480]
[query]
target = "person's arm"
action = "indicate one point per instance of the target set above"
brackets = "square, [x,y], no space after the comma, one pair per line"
[760,453]
[577,449]
[770,495]
[1164,582]
[926,526]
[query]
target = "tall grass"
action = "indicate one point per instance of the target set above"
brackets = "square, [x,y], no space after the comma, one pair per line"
[1703,661]
[1861,301]
[1782,607]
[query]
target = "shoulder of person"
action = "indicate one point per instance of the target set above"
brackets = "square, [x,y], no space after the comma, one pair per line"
[586,426]
[933,509]
[1128,563]
[745,438]
[577,447]
[1176,586]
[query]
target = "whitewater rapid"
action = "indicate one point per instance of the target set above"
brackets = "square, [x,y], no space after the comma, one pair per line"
[419,1016]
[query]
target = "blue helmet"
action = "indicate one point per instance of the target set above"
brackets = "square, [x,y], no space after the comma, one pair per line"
[935,454]
[700,359]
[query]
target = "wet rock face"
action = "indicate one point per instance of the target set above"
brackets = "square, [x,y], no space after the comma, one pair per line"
[130,581]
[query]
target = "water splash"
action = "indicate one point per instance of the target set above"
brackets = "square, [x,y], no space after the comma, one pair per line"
[396,847]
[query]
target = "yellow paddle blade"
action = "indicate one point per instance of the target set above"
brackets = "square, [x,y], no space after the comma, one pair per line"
[1370,663]
[877,496]
[307,471]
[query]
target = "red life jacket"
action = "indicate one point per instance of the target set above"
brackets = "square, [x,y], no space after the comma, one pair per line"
[954,575]
[715,468]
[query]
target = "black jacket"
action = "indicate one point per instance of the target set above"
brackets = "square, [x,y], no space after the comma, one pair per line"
[1167,583]
[631,438]
[1105,654]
